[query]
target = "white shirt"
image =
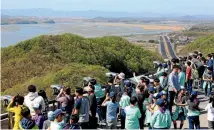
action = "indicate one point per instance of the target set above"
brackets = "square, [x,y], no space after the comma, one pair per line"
[33,98]
[210,112]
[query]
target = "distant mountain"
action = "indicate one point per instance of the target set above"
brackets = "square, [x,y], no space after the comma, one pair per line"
[6,19]
[94,13]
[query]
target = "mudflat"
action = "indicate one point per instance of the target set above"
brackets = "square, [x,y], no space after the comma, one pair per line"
[173,27]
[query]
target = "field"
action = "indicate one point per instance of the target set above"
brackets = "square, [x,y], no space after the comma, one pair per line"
[173,27]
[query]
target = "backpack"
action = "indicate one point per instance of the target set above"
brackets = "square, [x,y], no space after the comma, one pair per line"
[195,74]
[70,104]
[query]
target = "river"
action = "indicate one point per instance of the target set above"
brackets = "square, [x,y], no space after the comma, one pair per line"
[12,34]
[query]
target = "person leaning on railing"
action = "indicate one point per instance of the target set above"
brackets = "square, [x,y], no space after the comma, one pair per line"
[15,106]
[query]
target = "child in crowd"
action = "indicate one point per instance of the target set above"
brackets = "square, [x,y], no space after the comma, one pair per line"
[180,112]
[132,115]
[161,119]
[47,123]
[210,112]
[57,123]
[74,122]
[27,122]
[157,86]
[15,106]
[38,118]
[111,114]
[164,81]
[208,78]
[193,111]
[124,102]
[151,108]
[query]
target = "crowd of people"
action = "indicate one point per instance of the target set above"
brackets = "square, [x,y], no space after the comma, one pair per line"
[169,98]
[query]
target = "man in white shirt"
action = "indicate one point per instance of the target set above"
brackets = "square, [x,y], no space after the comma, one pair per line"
[33,98]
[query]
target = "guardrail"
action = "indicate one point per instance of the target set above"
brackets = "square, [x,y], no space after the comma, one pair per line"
[9,116]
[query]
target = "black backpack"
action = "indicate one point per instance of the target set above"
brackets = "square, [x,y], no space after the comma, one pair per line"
[70,104]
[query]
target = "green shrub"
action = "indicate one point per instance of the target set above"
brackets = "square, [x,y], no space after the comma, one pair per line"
[45,59]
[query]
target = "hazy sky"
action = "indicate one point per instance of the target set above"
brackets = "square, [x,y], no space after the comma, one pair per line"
[157,6]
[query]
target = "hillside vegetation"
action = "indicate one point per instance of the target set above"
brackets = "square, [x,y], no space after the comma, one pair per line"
[198,30]
[203,44]
[47,59]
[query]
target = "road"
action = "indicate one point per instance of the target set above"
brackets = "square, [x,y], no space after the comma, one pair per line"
[169,46]
[166,48]
[162,48]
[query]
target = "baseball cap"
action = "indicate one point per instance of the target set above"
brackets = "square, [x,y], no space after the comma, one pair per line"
[57,112]
[36,106]
[151,89]
[160,102]
[127,83]
[155,95]
[161,93]
[111,94]
[182,87]
[51,115]
[194,93]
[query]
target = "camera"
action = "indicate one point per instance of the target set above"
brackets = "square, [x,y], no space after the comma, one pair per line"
[86,81]
[6,99]
[56,88]
[156,64]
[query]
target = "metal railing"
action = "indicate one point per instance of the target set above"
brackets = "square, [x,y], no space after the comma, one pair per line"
[53,104]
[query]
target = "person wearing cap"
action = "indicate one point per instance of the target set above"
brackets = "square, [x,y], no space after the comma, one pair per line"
[111,113]
[132,115]
[173,86]
[161,70]
[151,91]
[180,112]
[193,111]
[157,86]
[124,102]
[58,118]
[39,117]
[27,122]
[151,108]
[162,95]
[161,119]
[209,61]
[207,84]
[164,81]
[82,108]
[128,86]
[47,123]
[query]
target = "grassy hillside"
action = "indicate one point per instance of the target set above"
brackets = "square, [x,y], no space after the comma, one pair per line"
[47,59]
[203,44]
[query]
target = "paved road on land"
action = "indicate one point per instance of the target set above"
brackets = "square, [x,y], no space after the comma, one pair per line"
[162,48]
[169,46]
[166,48]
